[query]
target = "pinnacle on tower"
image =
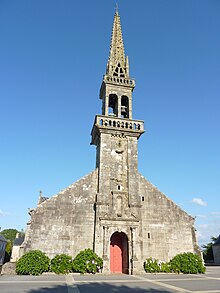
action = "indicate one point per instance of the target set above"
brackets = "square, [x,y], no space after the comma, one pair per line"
[117,63]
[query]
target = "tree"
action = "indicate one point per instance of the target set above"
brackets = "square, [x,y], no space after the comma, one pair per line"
[10,235]
[207,249]
[8,251]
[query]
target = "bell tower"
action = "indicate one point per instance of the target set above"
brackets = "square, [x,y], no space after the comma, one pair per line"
[115,134]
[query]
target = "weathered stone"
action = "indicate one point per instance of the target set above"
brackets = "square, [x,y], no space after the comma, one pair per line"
[9,268]
[114,210]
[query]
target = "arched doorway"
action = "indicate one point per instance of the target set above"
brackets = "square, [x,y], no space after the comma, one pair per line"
[119,253]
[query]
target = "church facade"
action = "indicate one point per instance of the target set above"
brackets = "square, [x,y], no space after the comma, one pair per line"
[114,210]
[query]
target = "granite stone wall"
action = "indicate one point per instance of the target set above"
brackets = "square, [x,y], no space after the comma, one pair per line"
[166,229]
[65,222]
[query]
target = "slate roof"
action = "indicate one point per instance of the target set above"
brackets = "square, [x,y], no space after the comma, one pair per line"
[18,241]
[2,238]
[217,241]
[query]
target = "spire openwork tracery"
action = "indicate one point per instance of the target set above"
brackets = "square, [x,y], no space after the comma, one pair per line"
[117,62]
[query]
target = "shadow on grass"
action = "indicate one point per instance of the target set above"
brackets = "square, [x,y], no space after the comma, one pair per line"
[97,288]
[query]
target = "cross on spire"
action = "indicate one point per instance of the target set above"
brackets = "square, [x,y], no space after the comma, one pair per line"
[116,7]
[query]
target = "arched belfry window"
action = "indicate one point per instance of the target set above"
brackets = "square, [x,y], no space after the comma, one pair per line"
[113,105]
[124,107]
[119,72]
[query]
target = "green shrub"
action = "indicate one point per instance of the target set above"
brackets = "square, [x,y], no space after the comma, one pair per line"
[87,261]
[61,264]
[9,234]
[152,265]
[33,262]
[187,263]
[165,267]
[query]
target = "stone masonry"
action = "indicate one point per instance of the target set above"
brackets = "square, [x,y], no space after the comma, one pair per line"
[114,210]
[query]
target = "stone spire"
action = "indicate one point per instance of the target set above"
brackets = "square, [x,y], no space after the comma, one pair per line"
[117,63]
[117,87]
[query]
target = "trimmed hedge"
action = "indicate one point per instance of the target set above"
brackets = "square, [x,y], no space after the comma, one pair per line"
[61,264]
[34,262]
[87,261]
[151,265]
[186,263]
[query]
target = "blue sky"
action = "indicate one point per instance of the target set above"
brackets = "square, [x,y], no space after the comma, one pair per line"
[53,55]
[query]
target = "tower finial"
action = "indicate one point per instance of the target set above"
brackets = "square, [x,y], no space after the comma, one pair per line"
[40,197]
[116,8]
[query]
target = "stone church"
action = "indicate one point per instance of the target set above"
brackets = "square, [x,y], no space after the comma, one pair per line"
[113,210]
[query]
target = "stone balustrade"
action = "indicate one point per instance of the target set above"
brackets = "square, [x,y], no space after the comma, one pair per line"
[120,123]
[120,80]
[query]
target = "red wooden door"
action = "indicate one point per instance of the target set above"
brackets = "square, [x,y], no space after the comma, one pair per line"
[119,253]
[116,254]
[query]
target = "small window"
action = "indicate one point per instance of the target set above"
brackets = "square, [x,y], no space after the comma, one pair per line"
[148,235]
[142,198]
[119,187]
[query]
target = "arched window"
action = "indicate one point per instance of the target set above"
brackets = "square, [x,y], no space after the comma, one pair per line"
[112,106]
[124,107]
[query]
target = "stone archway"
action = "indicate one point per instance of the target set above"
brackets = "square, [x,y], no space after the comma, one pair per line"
[119,253]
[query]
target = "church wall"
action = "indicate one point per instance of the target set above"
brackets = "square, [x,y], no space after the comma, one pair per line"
[65,222]
[166,229]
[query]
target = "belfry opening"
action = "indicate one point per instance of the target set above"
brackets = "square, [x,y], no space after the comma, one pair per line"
[113,105]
